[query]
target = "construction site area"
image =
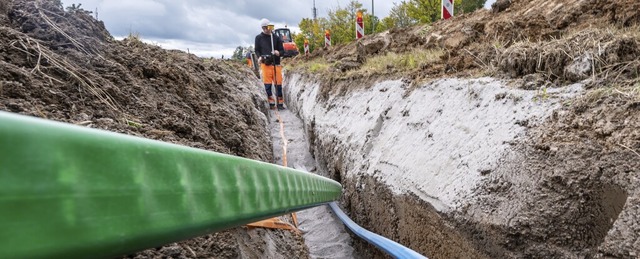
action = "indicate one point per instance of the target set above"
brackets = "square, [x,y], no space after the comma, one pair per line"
[510,132]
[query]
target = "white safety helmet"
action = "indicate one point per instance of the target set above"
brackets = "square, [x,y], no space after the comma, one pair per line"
[264,22]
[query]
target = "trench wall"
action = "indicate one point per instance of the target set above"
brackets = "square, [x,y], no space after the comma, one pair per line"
[473,168]
[409,161]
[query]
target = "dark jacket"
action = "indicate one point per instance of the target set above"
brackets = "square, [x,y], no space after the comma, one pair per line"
[263,46]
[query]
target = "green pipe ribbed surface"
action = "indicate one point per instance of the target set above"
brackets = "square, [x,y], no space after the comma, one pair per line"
[69,191]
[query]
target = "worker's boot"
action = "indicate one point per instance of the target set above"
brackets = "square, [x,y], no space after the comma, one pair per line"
[272,103]
[280,103]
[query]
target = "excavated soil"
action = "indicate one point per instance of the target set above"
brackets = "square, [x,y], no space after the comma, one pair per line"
[65,66]
[575,176]
[578,174]
[545,42]
[406,219]
[567,189]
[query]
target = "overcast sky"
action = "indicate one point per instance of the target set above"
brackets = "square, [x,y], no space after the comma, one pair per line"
[209,28]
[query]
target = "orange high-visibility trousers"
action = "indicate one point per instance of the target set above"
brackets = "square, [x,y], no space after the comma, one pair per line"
[267,74]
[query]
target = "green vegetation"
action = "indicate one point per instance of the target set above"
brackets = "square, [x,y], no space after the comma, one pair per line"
[405,61]
[313,66]
[238,54]
[468,6]
[425,11]
[341,21]
[312,31]
[318,67]
[134,124]
[541,94]
[399,16]
[428,11]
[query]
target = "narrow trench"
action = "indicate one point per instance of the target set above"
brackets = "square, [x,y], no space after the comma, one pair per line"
[413,219]
[324,234]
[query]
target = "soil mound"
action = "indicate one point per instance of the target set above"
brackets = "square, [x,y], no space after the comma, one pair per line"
[558,42]
[65,66]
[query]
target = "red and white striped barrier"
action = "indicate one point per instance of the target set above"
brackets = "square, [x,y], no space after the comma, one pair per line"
[327,38]
[306,47]
[359,26]
[447,9]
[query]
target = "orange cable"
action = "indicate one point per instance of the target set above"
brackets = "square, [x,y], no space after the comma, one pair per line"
[284,157]
[284,140]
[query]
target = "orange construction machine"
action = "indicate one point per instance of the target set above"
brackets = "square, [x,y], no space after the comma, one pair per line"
[290,48]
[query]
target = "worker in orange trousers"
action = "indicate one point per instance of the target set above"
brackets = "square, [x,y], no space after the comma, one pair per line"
[269,49]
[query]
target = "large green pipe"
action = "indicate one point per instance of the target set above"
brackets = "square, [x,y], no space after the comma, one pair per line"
[69,191]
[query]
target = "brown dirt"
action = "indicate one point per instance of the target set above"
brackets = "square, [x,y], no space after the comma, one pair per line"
[375,208]
[237,243]
[583,171]
[65,66]
[580,168]
[563,41]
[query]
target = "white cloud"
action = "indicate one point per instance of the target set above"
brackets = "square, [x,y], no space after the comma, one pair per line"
[140,7]
[208,27]
[199,49]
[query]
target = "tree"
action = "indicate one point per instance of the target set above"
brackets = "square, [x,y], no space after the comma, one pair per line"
[427,11]
[313,31]
[238,53]
[400,15]
[468,6]
[342,22]
[386,24]
[342,26]
[367,24]
[246,51]
[424,11]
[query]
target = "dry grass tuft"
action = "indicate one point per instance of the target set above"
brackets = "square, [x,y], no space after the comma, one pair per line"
[405,62]
[314,66]
[32,48]
[53,25]
[608,53]
[631,93]
[134,37]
